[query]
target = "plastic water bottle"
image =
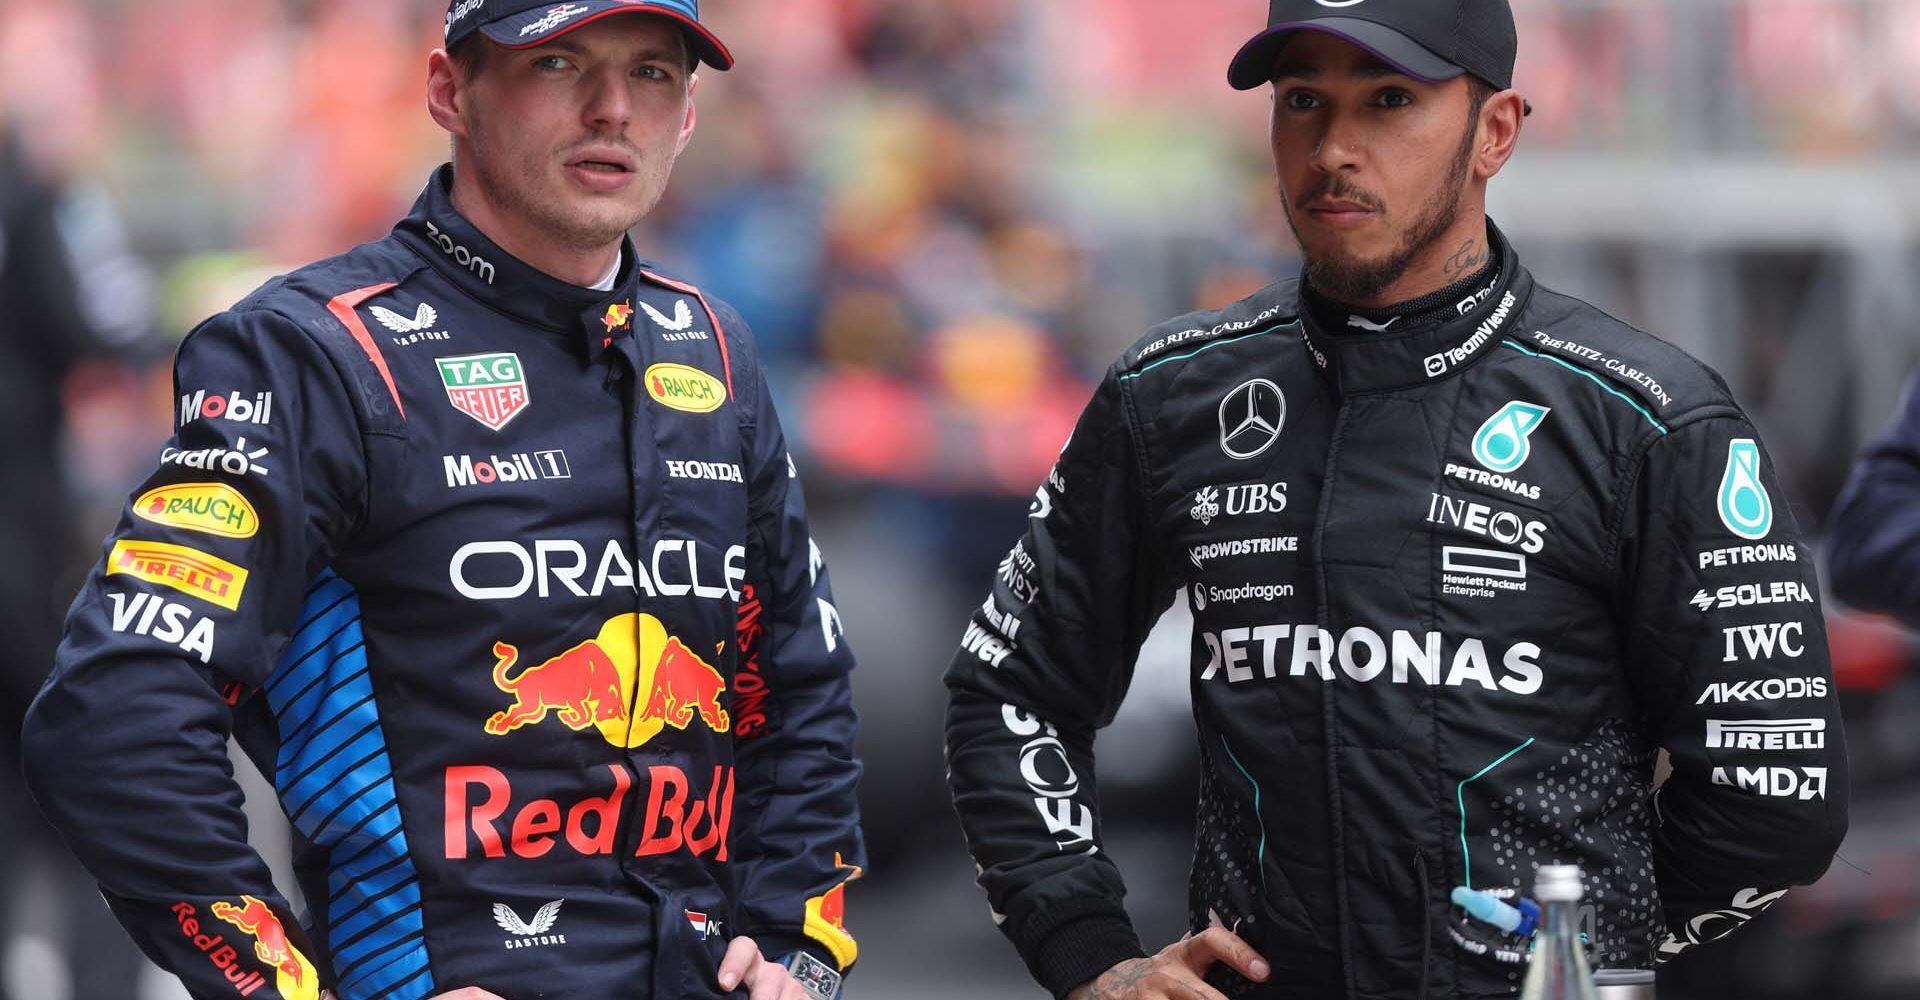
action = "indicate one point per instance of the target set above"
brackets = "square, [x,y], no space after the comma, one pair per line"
[1559,968]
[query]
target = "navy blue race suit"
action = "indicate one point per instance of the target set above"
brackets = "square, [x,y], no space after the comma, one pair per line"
[1873,540]
[507,585]
[1452,587]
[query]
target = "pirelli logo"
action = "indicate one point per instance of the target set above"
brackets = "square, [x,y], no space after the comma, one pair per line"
[1767,734]
[187,570]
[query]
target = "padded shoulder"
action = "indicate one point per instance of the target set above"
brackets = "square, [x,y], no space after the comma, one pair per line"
[1276,305]
[1669,383]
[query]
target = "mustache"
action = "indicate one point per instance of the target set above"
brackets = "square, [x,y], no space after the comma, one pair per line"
[1339,188]
[613,142]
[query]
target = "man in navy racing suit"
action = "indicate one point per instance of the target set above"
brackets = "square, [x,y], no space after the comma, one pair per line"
[1463,553]
[484,541]
[1873,541]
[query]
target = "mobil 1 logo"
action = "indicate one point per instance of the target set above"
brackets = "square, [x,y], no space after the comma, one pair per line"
[520,467]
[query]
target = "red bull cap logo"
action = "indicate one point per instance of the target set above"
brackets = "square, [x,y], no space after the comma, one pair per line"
[627,683]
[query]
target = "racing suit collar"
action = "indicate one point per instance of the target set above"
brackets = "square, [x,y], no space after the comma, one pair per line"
[1370,362]
[478,266]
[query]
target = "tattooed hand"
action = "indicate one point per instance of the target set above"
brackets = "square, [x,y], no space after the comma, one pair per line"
[1177,972]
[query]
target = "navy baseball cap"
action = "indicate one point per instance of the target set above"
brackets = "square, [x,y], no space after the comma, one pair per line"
[1431,40]
[521,24]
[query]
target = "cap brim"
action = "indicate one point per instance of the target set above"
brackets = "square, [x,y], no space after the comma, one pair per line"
[539,26]
[1253,65]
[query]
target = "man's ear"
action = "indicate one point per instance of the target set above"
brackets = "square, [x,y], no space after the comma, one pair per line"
[1501,121]
[446,94]
[692,119]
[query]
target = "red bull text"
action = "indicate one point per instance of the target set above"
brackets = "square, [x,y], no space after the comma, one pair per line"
[481,812]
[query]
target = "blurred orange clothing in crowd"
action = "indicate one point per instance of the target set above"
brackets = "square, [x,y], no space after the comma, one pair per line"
[361,127]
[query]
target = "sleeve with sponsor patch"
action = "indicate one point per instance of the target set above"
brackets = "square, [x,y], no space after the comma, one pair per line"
[794,723]
[182,620]
[1043,663]
[1729,653]
[1873,541]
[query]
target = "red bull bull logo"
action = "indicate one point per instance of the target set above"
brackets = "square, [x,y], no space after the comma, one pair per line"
[826,920]
[294,977]
[618,316]
[684,684]
[627,683]
[582,684]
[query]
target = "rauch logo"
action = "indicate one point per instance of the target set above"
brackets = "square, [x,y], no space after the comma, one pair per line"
[684,388]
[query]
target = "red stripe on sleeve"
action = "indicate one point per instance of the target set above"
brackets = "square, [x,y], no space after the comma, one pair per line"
[342,307]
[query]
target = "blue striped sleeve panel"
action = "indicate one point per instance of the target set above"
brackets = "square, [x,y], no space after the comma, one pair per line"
[336,784]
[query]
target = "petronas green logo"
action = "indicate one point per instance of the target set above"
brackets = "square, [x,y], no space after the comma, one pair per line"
[1501,443]
[1745,508]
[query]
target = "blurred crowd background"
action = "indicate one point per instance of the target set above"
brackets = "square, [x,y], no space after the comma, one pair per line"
[943,220]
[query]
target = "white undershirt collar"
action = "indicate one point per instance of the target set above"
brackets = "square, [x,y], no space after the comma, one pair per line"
[606,284]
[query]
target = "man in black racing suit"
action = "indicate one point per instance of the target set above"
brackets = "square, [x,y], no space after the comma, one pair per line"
[1463,553]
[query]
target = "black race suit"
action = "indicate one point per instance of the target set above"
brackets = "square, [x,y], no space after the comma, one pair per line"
[1452,588]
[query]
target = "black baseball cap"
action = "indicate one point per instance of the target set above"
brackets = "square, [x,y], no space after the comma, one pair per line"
[1431,40]
[521,24]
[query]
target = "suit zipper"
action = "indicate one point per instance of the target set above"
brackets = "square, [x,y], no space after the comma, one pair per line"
[1426,921]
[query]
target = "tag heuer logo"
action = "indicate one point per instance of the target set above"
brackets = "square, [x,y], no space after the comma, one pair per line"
[490,388]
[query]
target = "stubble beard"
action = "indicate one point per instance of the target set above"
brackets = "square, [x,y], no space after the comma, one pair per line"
[1356,280]
[512,187]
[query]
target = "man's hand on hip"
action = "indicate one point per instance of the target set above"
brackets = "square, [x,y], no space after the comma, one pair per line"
[744,966]
[1178,972]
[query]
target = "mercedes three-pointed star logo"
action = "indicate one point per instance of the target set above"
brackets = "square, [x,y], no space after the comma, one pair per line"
[1251,417]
